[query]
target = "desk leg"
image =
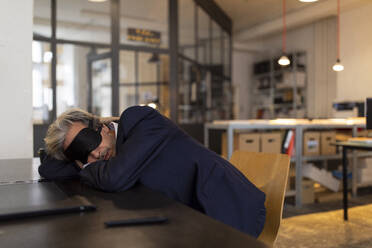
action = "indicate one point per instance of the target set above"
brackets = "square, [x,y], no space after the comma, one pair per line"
[344,178]
[230,142]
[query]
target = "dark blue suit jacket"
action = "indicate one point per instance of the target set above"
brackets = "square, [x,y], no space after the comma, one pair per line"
[153,151]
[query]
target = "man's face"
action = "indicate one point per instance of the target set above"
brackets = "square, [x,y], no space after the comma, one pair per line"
[105,149]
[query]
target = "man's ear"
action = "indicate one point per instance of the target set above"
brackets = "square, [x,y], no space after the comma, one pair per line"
[105,128]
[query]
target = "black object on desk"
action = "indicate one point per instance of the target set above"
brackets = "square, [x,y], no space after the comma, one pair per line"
[369,113]
[137,221]
[346,146]
[21,200]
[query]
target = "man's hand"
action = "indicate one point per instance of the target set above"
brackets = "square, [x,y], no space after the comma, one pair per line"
[108,119]
[80,164]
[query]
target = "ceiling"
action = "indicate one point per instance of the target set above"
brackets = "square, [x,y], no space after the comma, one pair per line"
[251,18]
[255,19]
[249,13]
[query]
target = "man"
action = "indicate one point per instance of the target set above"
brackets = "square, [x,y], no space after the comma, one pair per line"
[151,150]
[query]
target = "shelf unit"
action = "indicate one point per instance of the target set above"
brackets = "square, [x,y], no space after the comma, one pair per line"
[299,126]
[205,93]
[279,91]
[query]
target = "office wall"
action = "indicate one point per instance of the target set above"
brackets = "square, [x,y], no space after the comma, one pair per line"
[355,82]
[16,79]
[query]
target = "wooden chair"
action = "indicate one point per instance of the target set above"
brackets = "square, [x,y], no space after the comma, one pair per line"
[269,172]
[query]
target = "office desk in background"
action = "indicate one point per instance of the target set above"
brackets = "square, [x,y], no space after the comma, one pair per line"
[346,146]
[185,228]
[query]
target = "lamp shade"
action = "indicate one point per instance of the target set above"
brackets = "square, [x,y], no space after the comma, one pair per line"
[284,61]
[338,66]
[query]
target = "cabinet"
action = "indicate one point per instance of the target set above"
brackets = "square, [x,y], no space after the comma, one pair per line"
[279,92]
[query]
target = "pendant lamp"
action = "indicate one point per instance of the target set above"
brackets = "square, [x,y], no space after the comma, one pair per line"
[284,60]
[338,66]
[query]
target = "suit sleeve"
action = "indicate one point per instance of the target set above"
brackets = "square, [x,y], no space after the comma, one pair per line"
[54,169]
[145,133]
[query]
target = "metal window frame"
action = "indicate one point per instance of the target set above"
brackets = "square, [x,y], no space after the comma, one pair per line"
[209,6]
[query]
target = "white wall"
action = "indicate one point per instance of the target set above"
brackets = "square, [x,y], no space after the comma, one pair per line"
[16,79]
[355,82]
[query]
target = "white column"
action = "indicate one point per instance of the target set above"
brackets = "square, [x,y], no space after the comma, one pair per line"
[16,130]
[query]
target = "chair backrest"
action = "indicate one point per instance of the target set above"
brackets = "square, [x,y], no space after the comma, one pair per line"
[269,172]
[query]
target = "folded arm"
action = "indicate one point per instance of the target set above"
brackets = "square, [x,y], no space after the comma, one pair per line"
[54,169]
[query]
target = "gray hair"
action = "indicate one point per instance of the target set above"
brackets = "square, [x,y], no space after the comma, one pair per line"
[56,133]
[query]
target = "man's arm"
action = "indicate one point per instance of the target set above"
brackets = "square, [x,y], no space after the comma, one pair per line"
[53,169]
[145,134]
[108,119]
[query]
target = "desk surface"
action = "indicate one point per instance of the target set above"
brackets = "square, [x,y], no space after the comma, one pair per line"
[186,227]
[354,145]
[287,123]
[13,170]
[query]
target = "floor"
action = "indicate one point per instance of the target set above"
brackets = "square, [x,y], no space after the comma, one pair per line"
[321,224]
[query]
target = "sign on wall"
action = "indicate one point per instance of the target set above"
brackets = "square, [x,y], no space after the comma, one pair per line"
[144,35]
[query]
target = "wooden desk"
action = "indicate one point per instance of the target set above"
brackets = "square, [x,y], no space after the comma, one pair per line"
[186,227]
[346,146]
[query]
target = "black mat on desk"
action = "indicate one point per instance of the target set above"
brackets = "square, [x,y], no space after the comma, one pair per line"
[23,200]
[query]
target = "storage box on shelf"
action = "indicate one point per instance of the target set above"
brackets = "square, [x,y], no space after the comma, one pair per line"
[224,144]
[307,187]
[249,142]
[307,191]
[271,142]
[327,138]
[268,142]
[364,172]
[311,143]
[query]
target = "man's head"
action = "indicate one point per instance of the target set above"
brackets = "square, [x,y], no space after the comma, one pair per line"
[79,135]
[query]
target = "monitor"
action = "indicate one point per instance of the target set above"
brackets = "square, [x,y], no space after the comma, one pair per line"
[369,113]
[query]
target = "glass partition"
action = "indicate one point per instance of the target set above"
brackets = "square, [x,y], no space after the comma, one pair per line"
[204,77]
[204,43]
[186,25]
[42,100]
[72,82]
[227,54]
[217,40]
[82,20]
[144,80]
[147,67]
[41,20]
[127,67]
[101,87]
[144,23]
[85,81]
